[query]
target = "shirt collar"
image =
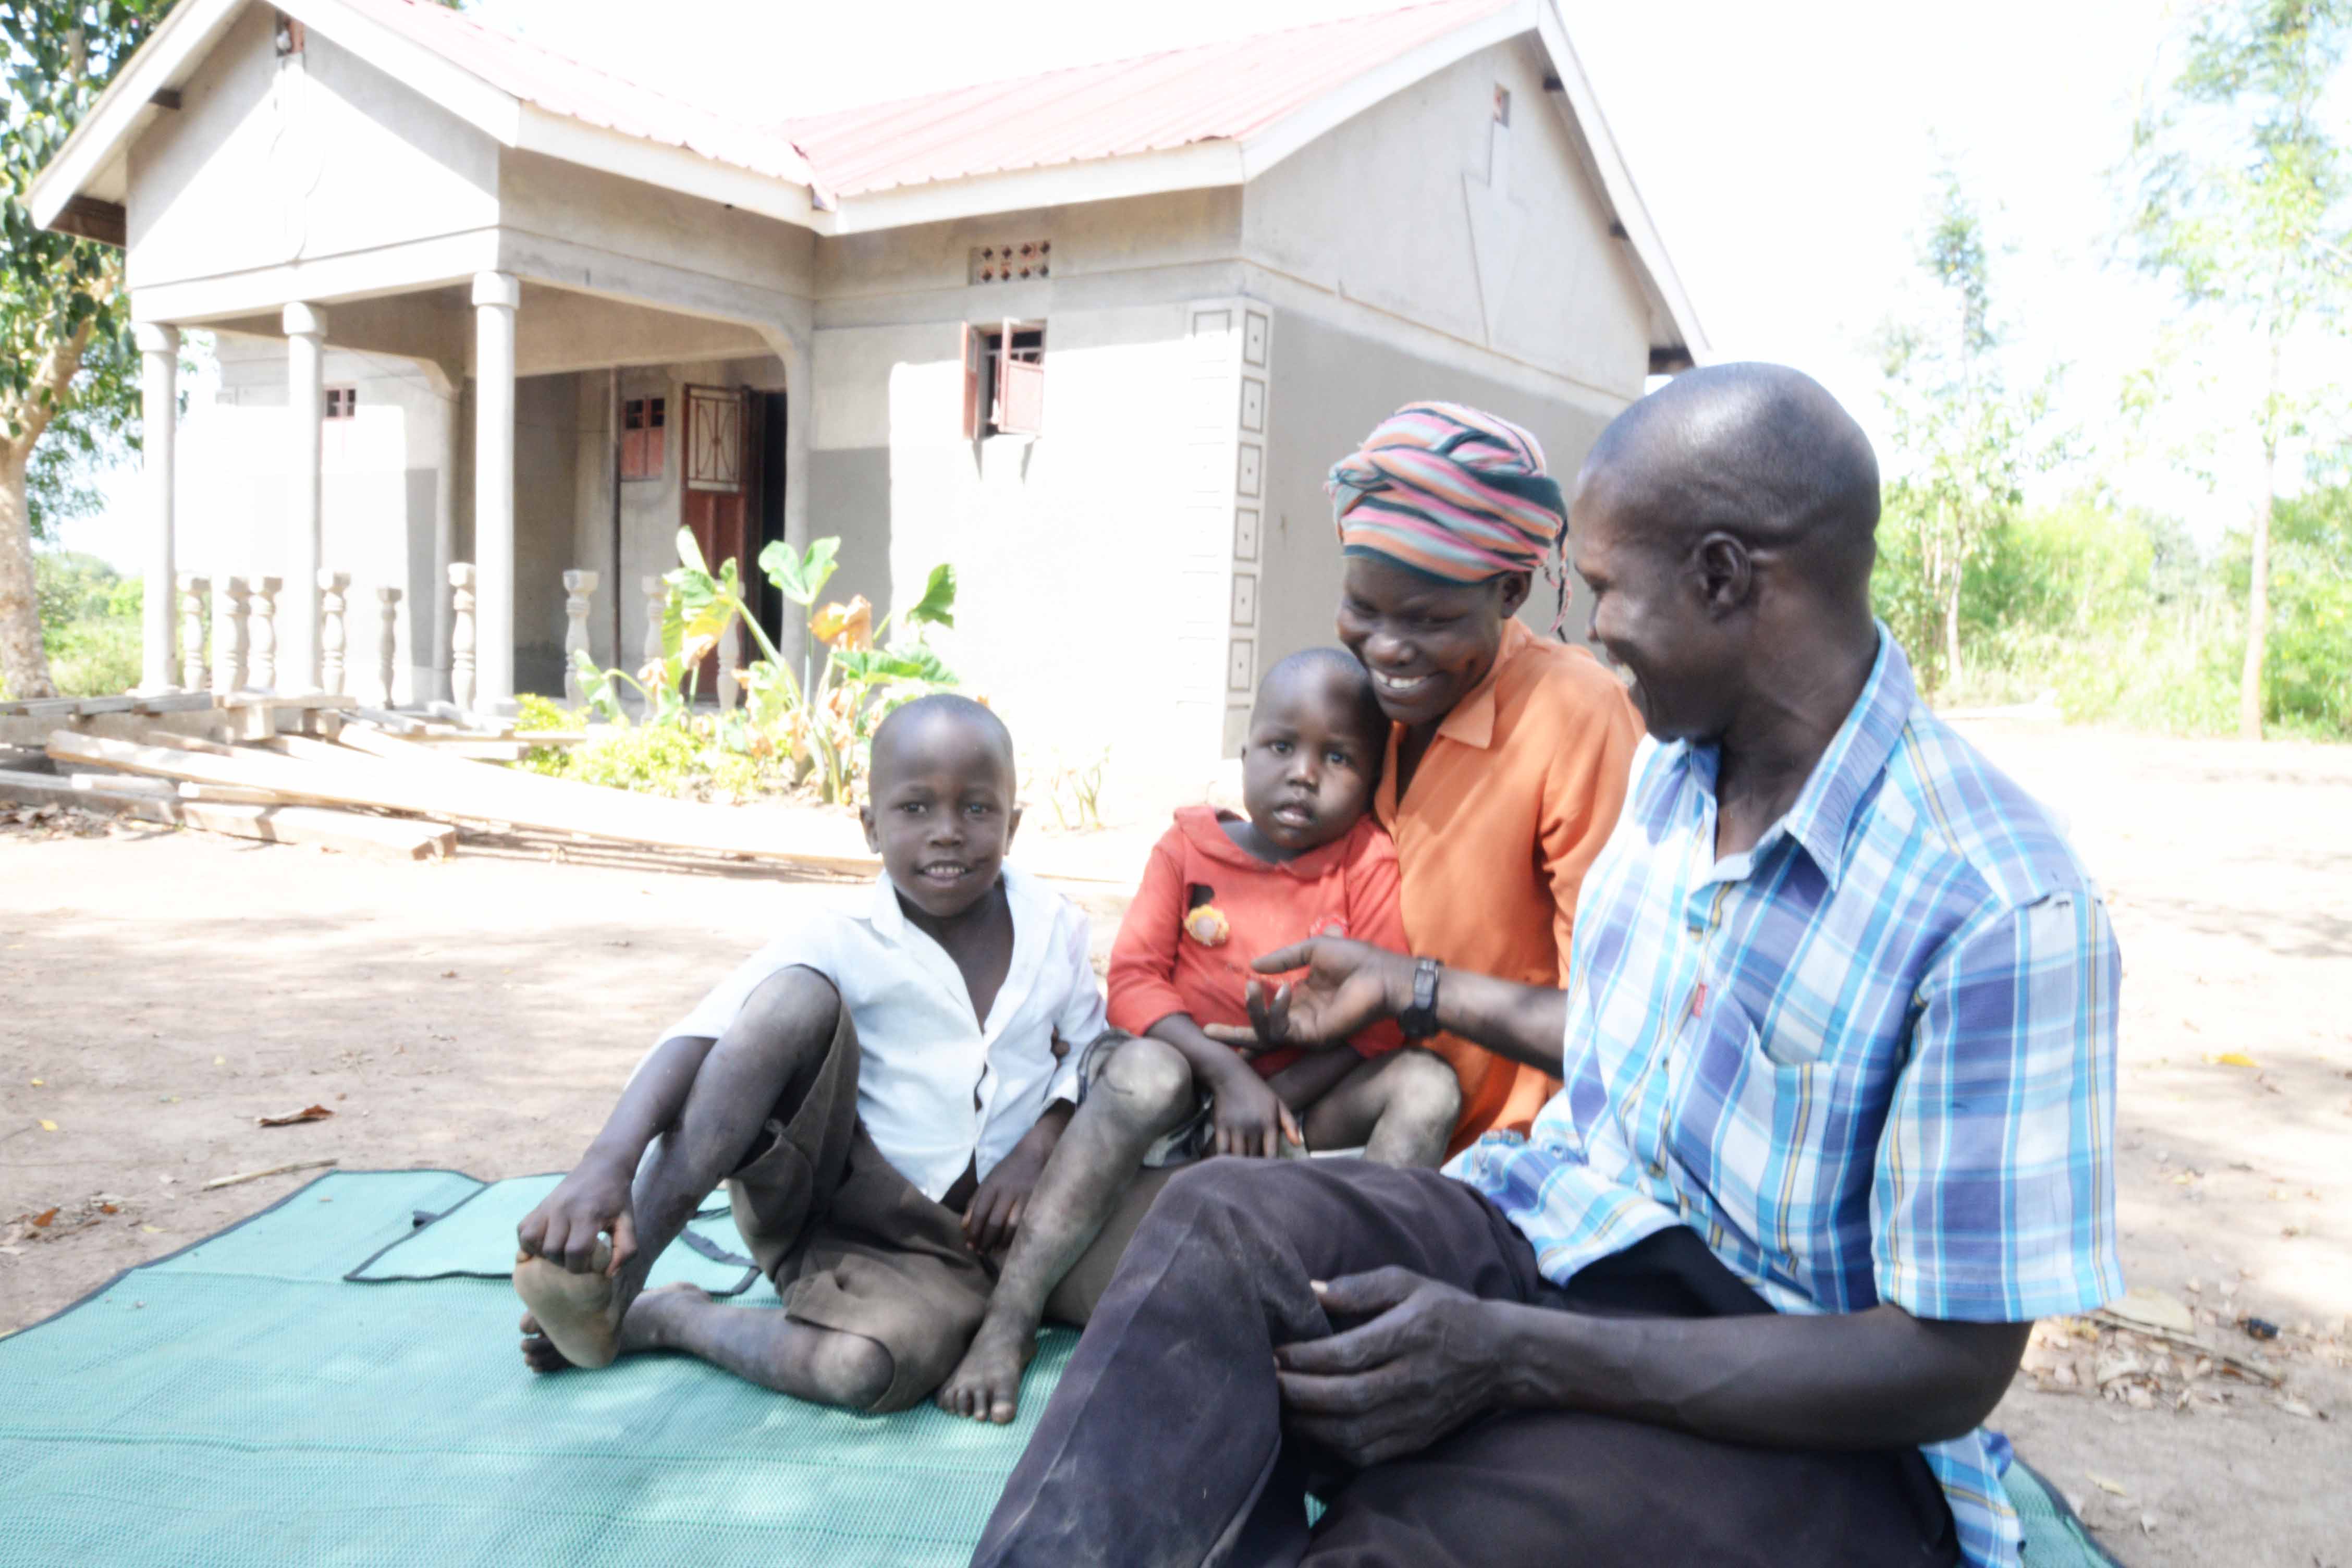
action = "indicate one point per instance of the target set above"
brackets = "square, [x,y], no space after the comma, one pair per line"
[889,917]
[1824,811]
[1472,721]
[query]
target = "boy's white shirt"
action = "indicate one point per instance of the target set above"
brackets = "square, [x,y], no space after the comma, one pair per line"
[937,1091]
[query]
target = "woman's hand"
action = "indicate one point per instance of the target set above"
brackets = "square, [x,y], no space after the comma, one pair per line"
[1347,986]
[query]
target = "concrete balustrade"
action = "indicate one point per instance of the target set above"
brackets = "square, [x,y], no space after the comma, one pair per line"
[193,592]
[462,635]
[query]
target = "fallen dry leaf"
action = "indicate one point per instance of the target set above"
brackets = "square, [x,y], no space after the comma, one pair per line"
[2234,1059]
[2297,1407]
[308,1113]
[43,1218]
[2106,1485]
[48,1126]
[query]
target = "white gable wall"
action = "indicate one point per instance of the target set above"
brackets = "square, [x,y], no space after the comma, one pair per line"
[1394,207]
[268,163]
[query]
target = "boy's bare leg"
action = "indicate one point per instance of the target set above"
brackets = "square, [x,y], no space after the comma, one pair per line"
[1401,1107]
[760,1067]
[1144,1091]
[759,1345]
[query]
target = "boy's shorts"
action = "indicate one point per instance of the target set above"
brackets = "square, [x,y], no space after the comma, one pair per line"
[852,1244]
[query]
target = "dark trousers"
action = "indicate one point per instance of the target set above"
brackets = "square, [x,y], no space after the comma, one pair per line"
[1164,1443]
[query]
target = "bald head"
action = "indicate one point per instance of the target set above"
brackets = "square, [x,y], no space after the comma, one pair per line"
[1760,452]
[932,720]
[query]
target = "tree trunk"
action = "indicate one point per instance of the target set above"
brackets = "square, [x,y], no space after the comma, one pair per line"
[2258,607]
[24,663]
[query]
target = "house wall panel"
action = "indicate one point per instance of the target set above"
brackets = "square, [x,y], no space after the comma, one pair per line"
[547,197]
[1072,607]
[1394,208]
[269,162]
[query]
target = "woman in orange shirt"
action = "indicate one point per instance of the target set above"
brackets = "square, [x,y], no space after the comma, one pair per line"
[1507,753]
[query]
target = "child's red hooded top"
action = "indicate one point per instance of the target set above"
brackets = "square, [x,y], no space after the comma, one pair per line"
[1164,962]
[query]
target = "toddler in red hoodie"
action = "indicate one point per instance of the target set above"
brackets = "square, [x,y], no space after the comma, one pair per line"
[1221,890]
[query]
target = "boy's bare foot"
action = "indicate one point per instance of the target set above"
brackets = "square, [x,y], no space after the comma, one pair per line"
[986,1385]
[645,1327]
[579,1314]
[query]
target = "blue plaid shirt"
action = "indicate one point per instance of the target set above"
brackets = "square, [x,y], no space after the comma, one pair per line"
[1871,1059]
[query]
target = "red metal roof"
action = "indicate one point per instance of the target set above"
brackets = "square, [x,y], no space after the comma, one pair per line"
[1149,104]
[584,92]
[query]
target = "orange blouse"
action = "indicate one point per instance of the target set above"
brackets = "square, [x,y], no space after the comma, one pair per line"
[1517,791]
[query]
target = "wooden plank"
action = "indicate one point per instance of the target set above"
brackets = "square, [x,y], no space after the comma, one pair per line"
[186,744]
[175,702]
[376,837]
[125,783]
[33,730]
[291,699]
[453,788]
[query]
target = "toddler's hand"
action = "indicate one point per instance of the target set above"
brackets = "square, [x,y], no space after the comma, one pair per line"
[564,1228]
[1249,1118]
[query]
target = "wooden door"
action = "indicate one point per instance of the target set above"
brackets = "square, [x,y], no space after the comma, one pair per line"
[715,500]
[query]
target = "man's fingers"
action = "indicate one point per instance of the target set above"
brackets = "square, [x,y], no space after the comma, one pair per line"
[1365,1346]
[1261,1017]
[1369,1294]
[625,1241]
[1291,1131]
[1306,1396]
[1283,960]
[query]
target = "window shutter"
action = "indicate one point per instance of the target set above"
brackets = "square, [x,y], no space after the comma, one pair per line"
[972,388]
[1020,396]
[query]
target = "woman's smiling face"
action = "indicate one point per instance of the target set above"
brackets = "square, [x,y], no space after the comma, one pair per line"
[1427,643]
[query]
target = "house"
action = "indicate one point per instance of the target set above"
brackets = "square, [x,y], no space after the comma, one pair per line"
[1092,336]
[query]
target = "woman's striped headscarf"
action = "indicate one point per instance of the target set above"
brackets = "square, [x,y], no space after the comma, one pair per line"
[1449,491]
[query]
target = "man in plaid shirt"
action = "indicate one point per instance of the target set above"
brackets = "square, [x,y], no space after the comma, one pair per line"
[1837,1125]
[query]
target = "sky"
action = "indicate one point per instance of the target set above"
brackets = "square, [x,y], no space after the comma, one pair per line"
[1787,153]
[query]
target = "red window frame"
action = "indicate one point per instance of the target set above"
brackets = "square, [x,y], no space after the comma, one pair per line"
[644,438]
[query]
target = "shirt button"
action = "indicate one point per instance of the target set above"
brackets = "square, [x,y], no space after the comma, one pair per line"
[1659,1171]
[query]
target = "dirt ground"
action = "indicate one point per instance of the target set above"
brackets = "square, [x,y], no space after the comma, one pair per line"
[160,991]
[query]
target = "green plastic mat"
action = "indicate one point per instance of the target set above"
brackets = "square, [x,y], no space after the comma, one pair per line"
[475,1239]
[239,1403]
[2054,1538]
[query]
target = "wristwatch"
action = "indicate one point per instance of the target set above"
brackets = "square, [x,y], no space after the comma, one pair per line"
[1420,1020]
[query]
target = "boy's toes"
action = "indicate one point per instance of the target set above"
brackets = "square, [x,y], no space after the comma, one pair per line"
[1001,1409]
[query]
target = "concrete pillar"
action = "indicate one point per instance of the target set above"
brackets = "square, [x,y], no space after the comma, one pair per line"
[496,296]
[159,354]
[432,668]
[800,410]
[306,368]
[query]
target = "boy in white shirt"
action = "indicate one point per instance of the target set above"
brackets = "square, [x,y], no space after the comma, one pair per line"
[878,1091]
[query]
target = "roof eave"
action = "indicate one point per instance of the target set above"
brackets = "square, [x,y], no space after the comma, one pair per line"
[128,105]
[1196,166]
[1582,109]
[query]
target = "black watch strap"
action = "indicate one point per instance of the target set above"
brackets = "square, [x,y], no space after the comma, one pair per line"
[1420,1020]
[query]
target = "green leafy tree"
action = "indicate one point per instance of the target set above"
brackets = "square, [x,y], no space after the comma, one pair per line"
[2239,199]
[67,368]
[1964,441]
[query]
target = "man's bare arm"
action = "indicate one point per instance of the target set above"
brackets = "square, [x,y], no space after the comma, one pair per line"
[1350,984]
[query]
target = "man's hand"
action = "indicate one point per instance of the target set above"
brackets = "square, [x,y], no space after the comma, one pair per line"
[1347,986]
[1250,1117]
[564,1228]
[995,1210]
[1422,1367]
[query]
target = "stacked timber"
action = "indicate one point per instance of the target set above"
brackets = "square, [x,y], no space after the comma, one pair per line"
[322,770]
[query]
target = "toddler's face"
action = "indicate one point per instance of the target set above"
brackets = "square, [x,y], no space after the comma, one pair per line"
[1308,768]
